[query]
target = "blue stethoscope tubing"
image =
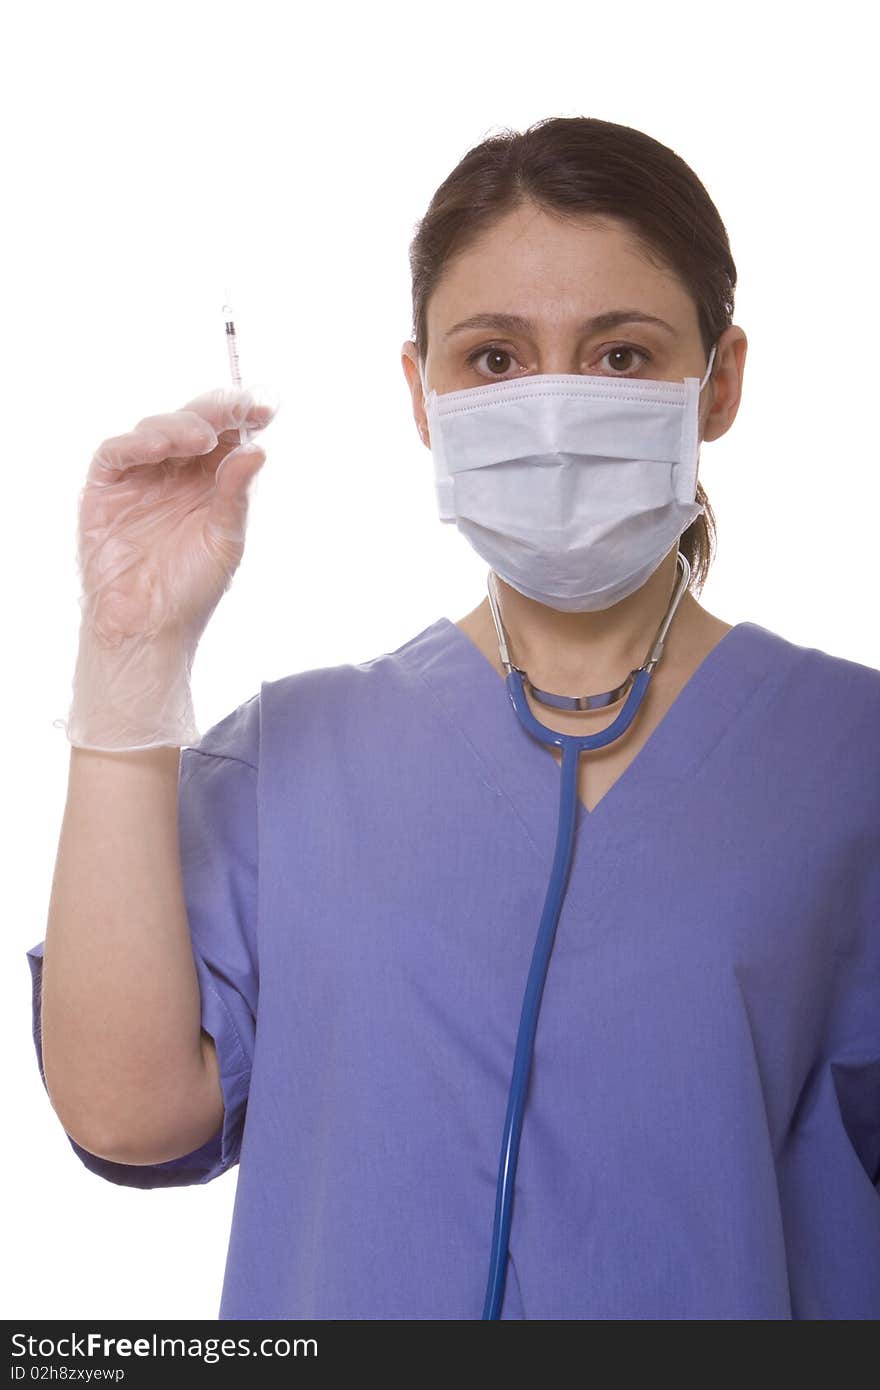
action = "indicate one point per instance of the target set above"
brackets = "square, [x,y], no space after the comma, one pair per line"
[572,746]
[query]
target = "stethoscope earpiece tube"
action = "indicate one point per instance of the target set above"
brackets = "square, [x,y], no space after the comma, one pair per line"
[527,1025]
[572,746]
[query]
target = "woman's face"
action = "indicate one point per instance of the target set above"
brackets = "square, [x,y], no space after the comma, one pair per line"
[555,280]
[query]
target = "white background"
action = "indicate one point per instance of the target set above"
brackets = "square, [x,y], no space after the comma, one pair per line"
[155,155]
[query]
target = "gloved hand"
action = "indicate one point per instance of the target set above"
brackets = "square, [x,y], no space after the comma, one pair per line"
[162,520]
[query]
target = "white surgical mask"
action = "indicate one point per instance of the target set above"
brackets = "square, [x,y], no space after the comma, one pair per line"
[573,488]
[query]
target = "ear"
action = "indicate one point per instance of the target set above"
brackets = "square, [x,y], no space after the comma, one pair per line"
[725,383]
[410,361]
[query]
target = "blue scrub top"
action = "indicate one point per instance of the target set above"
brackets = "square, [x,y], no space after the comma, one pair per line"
[365,851]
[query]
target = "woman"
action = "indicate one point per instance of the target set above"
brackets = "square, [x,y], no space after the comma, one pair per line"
[317,971]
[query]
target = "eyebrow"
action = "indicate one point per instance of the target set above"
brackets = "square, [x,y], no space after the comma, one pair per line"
[515,323]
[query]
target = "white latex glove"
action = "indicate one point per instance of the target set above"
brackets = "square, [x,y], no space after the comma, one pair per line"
[162,520]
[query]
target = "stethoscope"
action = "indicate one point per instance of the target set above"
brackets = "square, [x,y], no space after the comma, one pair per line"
[572,746]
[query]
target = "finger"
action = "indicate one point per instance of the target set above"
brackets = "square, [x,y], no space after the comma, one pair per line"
[188,433]
[196,429]
[180,434]
[232,483]
[232,407]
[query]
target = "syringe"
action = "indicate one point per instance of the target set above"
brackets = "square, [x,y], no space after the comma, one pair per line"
[232,347]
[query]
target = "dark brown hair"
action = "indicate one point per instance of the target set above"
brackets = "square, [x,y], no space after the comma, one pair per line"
[574,165]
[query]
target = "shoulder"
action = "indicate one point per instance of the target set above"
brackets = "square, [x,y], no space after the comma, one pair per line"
[824,707]
[347,697]
[818,672]
[235,737]
[340,697]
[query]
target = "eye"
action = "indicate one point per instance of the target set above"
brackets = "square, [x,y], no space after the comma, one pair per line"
[624,350]
[494,354]
[499,359]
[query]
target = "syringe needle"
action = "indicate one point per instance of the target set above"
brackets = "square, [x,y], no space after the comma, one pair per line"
[232,348]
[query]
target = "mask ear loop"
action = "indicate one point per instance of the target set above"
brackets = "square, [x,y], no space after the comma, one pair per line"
[686,475]
[709,368]
[426,393]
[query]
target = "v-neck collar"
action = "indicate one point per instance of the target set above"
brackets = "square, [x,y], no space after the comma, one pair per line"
[475,698]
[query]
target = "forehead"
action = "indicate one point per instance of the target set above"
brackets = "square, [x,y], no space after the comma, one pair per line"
[550,269]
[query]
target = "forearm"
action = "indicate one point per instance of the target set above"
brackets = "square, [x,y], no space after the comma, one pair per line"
[122,1042]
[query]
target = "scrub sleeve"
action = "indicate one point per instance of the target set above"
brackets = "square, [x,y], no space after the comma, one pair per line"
[217,808]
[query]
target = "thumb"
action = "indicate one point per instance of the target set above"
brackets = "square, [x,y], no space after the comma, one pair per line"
[235,471]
